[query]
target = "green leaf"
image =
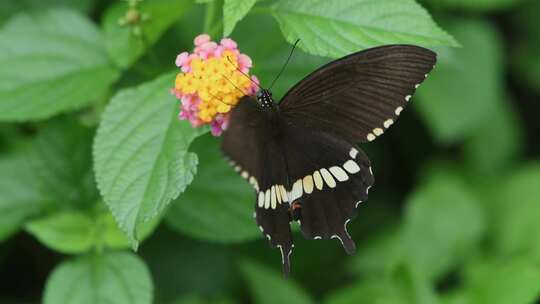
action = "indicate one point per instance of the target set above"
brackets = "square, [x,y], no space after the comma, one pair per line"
[52,61]
[193,299]
[401,286]
[67,232]
[140,154]
[465,80]
[218,206]
[376,291]
[114,278]
[234,11]
[62,161]
[526,65]
[10,8]
[335,28]
[525,59]
[413,285]
[268,286]
[199,267]
[513,281]
[457,297]
[498,142]
[267,61]
[380,255]
[517,212]
[20,196]
[73,231]
[109,234]
[443,224]
[476,5]
[122,44]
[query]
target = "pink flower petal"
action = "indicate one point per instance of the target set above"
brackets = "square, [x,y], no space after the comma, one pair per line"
[244,61]
[215,129]
[181,59]
[201,39]
[229,44]
[207,49]
[219,51]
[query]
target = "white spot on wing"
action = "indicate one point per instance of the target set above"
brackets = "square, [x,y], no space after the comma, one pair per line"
[267,199]
[408,97]
[244,174]
[328,178]
[273,199]
[339,173]
[416,86]
[278,194]
[398,110]
[317,237]
[284,195]
[353,153]
[307,181]
[351,166]
[261,199]
[388,123]
[254,183]
[378,131]
[318,180]
[370,137]
[296,191]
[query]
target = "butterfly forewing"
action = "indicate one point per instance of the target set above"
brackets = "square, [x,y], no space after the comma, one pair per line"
[359,96]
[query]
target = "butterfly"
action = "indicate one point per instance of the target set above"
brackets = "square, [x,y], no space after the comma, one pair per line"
[301,154]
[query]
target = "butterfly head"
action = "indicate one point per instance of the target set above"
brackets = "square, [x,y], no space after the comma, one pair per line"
[265,99]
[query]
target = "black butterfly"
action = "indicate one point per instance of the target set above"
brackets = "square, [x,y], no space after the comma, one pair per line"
[300,155]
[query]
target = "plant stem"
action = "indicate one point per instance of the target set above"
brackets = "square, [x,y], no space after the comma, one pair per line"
[209,16]
[214,31]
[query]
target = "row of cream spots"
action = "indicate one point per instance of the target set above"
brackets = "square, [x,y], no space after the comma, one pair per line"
[245,175]
[277,194]
[387,123]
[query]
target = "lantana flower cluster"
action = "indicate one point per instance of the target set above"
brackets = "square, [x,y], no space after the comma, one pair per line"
[212,80]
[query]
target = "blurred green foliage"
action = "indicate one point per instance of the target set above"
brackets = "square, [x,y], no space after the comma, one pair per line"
[94,163]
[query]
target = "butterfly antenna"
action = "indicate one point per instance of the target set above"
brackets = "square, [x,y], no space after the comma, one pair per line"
[285,65]
[247,76]
[242,91]
[219,99]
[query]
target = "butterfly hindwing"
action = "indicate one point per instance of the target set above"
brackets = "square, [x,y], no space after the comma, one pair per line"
[330,177]
[361,95]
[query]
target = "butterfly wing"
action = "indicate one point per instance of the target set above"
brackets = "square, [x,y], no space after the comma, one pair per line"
[303,165]
[249,145]
[329,178]
[359,96]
